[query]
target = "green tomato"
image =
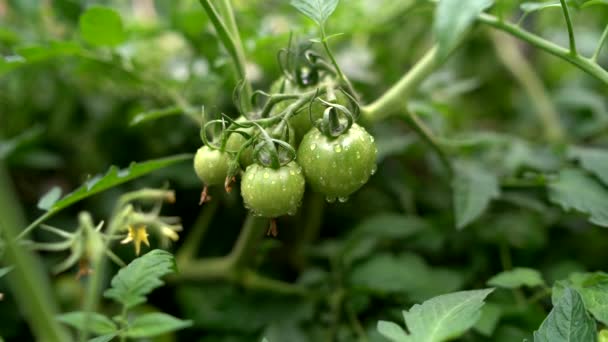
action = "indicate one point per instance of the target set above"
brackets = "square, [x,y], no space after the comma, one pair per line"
[235,141]
[301,121]
[337,167]
[211,166]
[272,192]
[603,335]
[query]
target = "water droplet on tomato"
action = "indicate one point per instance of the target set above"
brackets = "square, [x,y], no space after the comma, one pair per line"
[374,169]
[330,199]
[343,199]
[313,146]
[338,148]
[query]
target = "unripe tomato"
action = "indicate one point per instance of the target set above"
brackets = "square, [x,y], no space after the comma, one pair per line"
[603,336]
[272,192]
[339,166]
[211,166]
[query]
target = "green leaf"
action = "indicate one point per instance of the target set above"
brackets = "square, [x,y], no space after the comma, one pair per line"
[529,7]
[474,187]
[104,338]
[593,287]
[37,53]
[102,26]
[594,2]
[97,323]
[490,316]
[568,321]
[576,190]
[140,277]
[153,324]
[440,318]
[517,277]
[5,270]
[115,177]
[453,18]
[317,10]
[593,160]
[154,115]
[392,331]
[406,273]
[8,147]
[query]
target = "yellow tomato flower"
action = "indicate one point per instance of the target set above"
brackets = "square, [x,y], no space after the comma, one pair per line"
[137,235]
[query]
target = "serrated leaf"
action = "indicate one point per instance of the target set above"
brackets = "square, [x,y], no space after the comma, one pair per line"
[154,115]
[474,187]
[153,324]
[443,317]
[392,331]
[96,323]
[453,18]
[567,322]
[529,7]
[51,197]
[517,277]
[114,177]
[317,10]
[101,26]
[576,190]
[140,277]
[594,160]
[593,288]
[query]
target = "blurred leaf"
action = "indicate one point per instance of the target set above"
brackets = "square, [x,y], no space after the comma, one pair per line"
[593,288]
[133,282]
[593,160]
[96,323]
[37,53]
[407,273]
[517,277]
[155,323]
[568,321]
[5,270]
[102,26]
[317,10]
[104,338]
[439,319]
[529,7]
[8,147]
[594,2]
[474,187]
[115,177]
[490,316]
[154,115]
[452,19]
[575,190]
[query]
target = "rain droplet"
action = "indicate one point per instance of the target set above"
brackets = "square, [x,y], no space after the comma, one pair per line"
[251,176]
[374,169]
[266,175]
[313,146]
[292,172]
[330,199]
[358,155]
[343,199]
[338,148]
[291,212]
[371,138]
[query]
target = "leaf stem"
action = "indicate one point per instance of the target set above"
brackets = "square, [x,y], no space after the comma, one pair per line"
[350,89]
[231,42]
[585,64]
[570,29]
[252,231]
[600,44]
[427,135]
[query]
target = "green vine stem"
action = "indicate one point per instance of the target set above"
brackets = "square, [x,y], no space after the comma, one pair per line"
[231,42]
[585,64]
[600,44]
[28,281]
[570,29]
[251,233]
[193,240]
[427,135]
[510,55]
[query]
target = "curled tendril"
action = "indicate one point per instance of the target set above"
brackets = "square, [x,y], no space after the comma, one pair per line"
[206,139]
[258,93]
[238,98]
[331,125]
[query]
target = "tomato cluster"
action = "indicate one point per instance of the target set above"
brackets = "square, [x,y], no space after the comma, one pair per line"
[304,134]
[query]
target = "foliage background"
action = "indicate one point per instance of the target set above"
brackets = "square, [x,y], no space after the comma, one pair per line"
[65,115]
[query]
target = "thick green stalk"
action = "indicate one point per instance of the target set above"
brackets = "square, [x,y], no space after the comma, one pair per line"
[585,64]
[28,281]
[251,233]
[570,29]
[395,98]
[231,42]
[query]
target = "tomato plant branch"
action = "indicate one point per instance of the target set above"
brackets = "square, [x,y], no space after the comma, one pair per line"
[569,25]
[230,41]
[191,244]
[251,233]
[393,100]
[600,44]
[427,135]
[585,64]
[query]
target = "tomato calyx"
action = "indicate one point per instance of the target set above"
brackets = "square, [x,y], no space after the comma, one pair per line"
[337,119]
